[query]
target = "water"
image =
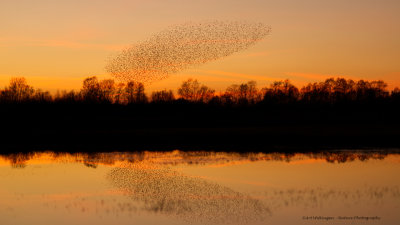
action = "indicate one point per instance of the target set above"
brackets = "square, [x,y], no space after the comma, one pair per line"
[343,187]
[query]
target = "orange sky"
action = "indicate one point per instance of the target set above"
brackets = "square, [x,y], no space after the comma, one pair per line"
[56,44]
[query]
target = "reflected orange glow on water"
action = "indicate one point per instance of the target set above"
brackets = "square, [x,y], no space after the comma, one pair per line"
[214,159]
[198,187]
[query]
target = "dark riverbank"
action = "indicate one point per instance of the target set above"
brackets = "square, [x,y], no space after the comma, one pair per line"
[188,126]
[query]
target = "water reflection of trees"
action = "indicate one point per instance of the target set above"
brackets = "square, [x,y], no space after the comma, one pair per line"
[18,160]
[196,157]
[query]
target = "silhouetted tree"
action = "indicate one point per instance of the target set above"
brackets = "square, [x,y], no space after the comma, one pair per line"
[362,91]
[18,91]
[281,92]
[91,90]
[205,93]
[242,93]
[370,91]
[396,91]
[217,101]
[380,88]
[192,90]
[316,93]
[331,91]
[162,96]
[343,89]
[107,91]
[134,92]
[119,97]
[68,97]
[42,96]
[396,95]
[231,95]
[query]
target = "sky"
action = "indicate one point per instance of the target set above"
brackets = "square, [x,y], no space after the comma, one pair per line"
[55,44]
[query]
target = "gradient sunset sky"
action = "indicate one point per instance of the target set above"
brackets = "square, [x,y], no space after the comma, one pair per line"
[55,44]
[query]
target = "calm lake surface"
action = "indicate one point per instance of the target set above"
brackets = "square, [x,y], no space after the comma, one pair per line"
[337,187]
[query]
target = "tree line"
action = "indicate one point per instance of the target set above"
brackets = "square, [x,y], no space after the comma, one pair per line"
[107,91]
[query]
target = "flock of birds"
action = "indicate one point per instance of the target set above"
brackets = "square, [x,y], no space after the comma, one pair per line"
[182,46]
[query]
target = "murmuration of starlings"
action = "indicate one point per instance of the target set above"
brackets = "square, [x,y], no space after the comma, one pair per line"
[183,46]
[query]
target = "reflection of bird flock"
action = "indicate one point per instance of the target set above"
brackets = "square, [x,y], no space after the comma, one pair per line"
[160,189]
[182,46]
[188,198]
